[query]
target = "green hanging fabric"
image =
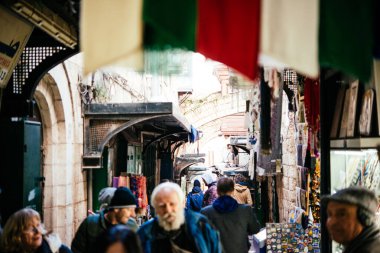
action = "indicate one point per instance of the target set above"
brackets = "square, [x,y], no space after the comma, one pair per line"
[160,31]
[346,39]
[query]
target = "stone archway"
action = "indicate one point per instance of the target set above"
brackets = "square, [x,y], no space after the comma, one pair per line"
[64,204]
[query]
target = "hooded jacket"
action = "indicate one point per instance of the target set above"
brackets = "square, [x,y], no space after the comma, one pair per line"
[194,199]
[234,222]
[242,194]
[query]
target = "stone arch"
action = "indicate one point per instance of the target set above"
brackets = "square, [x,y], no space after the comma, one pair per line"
[50,105]
[65,184]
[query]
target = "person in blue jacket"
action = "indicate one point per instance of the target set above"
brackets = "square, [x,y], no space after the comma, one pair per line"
[195,197]
[175,229]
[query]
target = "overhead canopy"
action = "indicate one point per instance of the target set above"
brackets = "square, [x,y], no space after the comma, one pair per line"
[103,121]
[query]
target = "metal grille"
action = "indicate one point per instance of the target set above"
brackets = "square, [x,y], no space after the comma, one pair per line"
[99,129]
[290,76]
[29,60]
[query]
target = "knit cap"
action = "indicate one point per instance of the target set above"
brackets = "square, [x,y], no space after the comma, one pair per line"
[359,196]
[123,198]
[197,183]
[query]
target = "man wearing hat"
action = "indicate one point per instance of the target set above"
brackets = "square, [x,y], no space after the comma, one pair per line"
[351,214]
[120,210]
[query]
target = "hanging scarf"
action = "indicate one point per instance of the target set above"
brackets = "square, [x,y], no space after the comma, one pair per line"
[265,117]
[311,98]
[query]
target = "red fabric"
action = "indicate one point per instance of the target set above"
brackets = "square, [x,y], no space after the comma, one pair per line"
[228,32]
[312,103]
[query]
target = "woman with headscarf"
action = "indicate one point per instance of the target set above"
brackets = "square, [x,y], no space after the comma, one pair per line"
[195,197]
[211,193]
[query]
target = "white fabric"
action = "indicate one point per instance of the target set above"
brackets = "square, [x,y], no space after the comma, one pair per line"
[289,33]
[111,33]
[54,242]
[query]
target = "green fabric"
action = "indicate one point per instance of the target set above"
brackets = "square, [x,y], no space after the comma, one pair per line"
[169,23]
[346,36]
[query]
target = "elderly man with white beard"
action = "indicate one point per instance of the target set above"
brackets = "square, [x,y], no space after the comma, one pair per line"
[175,229]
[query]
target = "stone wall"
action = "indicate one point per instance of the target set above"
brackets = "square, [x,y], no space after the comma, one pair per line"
[64,195]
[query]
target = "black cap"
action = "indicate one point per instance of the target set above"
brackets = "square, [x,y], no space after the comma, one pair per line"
[359,196]
[123,198]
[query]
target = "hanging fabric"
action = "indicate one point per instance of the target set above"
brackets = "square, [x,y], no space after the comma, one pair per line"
[265,117]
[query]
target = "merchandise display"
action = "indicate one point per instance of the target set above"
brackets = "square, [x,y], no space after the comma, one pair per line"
[291,237]
[137,184]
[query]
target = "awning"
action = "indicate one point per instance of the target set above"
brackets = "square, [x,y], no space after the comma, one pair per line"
[103,121]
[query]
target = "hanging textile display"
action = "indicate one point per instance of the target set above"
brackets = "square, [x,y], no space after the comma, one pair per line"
[137,184]
[315,175]
[311,99]
[270,120]
[346,43]
[138,188]
[265,117]
[123,181]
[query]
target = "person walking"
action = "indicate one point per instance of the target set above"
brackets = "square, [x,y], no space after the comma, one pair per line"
[118,239]
[119,211]
[24,233]
[195,197]
[351,214]
[210,194]
[241,192]
[175,229]
[233,220]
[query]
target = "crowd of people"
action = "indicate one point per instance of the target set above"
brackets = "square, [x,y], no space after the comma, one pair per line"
[185,224]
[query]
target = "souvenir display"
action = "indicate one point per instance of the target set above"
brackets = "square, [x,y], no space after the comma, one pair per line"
[291,237]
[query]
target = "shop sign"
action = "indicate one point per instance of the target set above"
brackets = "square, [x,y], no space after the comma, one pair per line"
[12,42]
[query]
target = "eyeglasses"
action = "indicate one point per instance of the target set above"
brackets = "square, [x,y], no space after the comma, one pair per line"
[34,229]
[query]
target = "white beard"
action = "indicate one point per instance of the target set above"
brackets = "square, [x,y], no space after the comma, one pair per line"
[176,224]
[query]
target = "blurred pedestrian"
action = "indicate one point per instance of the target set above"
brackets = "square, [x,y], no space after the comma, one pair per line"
[241,192]
[195,197]
[119,211]
[175,229]
[24,233]
[351,214]
[210,194]
[104,198]
[118,239]
[233,220]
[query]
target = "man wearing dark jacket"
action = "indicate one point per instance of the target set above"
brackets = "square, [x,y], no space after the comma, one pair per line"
[234,221]
[119,211]
[195,197]
[351,214]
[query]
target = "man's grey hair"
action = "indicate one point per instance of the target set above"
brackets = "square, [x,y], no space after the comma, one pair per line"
[167,186]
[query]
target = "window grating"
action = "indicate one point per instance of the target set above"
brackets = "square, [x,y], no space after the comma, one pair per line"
[30,58]
[99,130]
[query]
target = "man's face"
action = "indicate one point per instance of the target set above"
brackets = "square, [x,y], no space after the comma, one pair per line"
[169,210]
[122,215]
[342,223]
